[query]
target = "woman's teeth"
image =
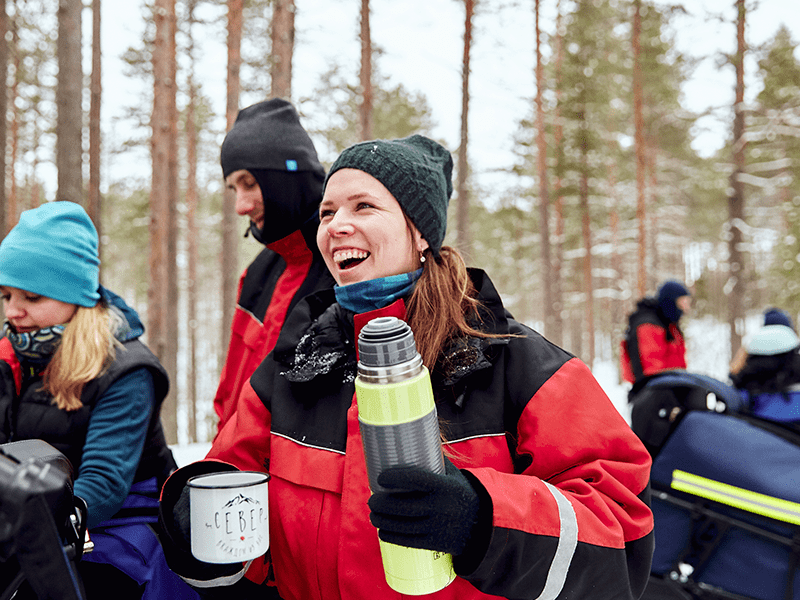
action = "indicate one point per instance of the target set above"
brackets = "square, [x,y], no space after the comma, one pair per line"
[345,259]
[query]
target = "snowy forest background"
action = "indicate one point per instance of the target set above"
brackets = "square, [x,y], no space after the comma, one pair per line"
[603,151]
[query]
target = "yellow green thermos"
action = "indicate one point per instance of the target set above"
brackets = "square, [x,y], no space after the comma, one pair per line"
[399,427]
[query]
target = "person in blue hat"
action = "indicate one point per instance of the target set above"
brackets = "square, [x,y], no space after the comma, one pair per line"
[654,342]
[767,373]
[76,375]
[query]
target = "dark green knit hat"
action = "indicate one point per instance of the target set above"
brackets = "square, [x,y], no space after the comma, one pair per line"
[416,170]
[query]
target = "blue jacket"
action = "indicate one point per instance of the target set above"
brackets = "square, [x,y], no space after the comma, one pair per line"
[770,387]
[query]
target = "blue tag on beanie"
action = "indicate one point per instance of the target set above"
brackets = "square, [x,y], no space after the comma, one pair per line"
[291,165]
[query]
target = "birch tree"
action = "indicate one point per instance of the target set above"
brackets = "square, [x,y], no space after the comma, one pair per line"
[13,94]
[4,112]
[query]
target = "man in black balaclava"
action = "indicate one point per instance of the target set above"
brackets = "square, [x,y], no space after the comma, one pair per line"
[269,161]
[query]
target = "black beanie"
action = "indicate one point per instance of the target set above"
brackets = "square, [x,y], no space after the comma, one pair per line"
[417,171]
[268,135]
[668,293]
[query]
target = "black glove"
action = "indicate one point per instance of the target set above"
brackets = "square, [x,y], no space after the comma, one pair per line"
[173,517]
[420,509]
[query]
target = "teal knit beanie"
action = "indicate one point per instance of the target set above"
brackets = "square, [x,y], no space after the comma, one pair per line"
[52,252]
[417,171]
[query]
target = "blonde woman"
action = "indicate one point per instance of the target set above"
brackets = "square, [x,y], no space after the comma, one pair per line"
[75,375]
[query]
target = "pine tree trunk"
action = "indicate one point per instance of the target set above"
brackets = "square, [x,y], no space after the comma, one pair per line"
[94,124]
[462,211]
[229,256]
[69,150]
[13,213]
[169,411]
[736,200]
[191,234]
[282,48]
[156,300]
[652,215]
[162,195]
[618,311]
[586,221]
[365,110]
[556,335]
[638,120]
[3,111]
[544,198]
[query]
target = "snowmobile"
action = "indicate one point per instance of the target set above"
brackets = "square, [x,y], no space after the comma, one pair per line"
[725,493]
[42,524]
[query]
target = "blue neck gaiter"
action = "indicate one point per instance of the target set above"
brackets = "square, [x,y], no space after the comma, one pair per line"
[364,296]
[37,346]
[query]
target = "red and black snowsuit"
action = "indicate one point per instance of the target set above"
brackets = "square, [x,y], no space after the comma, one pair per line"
[567,478]
[280,276]
[268,141]
[652,344]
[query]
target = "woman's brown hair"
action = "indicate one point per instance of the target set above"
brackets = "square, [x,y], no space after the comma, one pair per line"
[443,304]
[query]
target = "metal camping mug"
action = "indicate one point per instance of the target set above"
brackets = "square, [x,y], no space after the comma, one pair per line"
[229,516]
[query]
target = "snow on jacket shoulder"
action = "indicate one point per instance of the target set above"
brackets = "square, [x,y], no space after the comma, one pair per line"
[568,480]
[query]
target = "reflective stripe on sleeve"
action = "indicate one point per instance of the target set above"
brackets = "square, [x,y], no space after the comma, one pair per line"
[567,543]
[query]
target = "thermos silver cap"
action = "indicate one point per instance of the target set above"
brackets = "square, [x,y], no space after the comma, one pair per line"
[386,341]
[387,352]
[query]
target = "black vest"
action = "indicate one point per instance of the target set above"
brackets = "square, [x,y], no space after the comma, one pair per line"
[32,415]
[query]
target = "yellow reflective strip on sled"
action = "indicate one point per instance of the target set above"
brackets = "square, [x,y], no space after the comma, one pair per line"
[760,504]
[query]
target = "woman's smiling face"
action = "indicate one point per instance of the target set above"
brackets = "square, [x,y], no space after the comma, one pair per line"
[363,232]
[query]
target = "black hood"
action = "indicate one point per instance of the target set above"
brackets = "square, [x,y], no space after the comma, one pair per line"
[291,199]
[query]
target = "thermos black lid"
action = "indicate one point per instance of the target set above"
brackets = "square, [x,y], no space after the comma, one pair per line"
[386,341]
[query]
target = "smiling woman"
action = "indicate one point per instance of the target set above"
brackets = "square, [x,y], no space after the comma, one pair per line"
[363,232]
[545,488]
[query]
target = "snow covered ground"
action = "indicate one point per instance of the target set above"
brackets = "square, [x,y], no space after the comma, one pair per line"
[187,453]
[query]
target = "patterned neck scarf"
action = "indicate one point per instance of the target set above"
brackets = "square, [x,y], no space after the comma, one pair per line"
[364,296]
[37,346]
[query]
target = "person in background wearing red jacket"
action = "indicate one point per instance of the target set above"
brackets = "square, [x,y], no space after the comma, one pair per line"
[653,341]
[269,161]
[546,489]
